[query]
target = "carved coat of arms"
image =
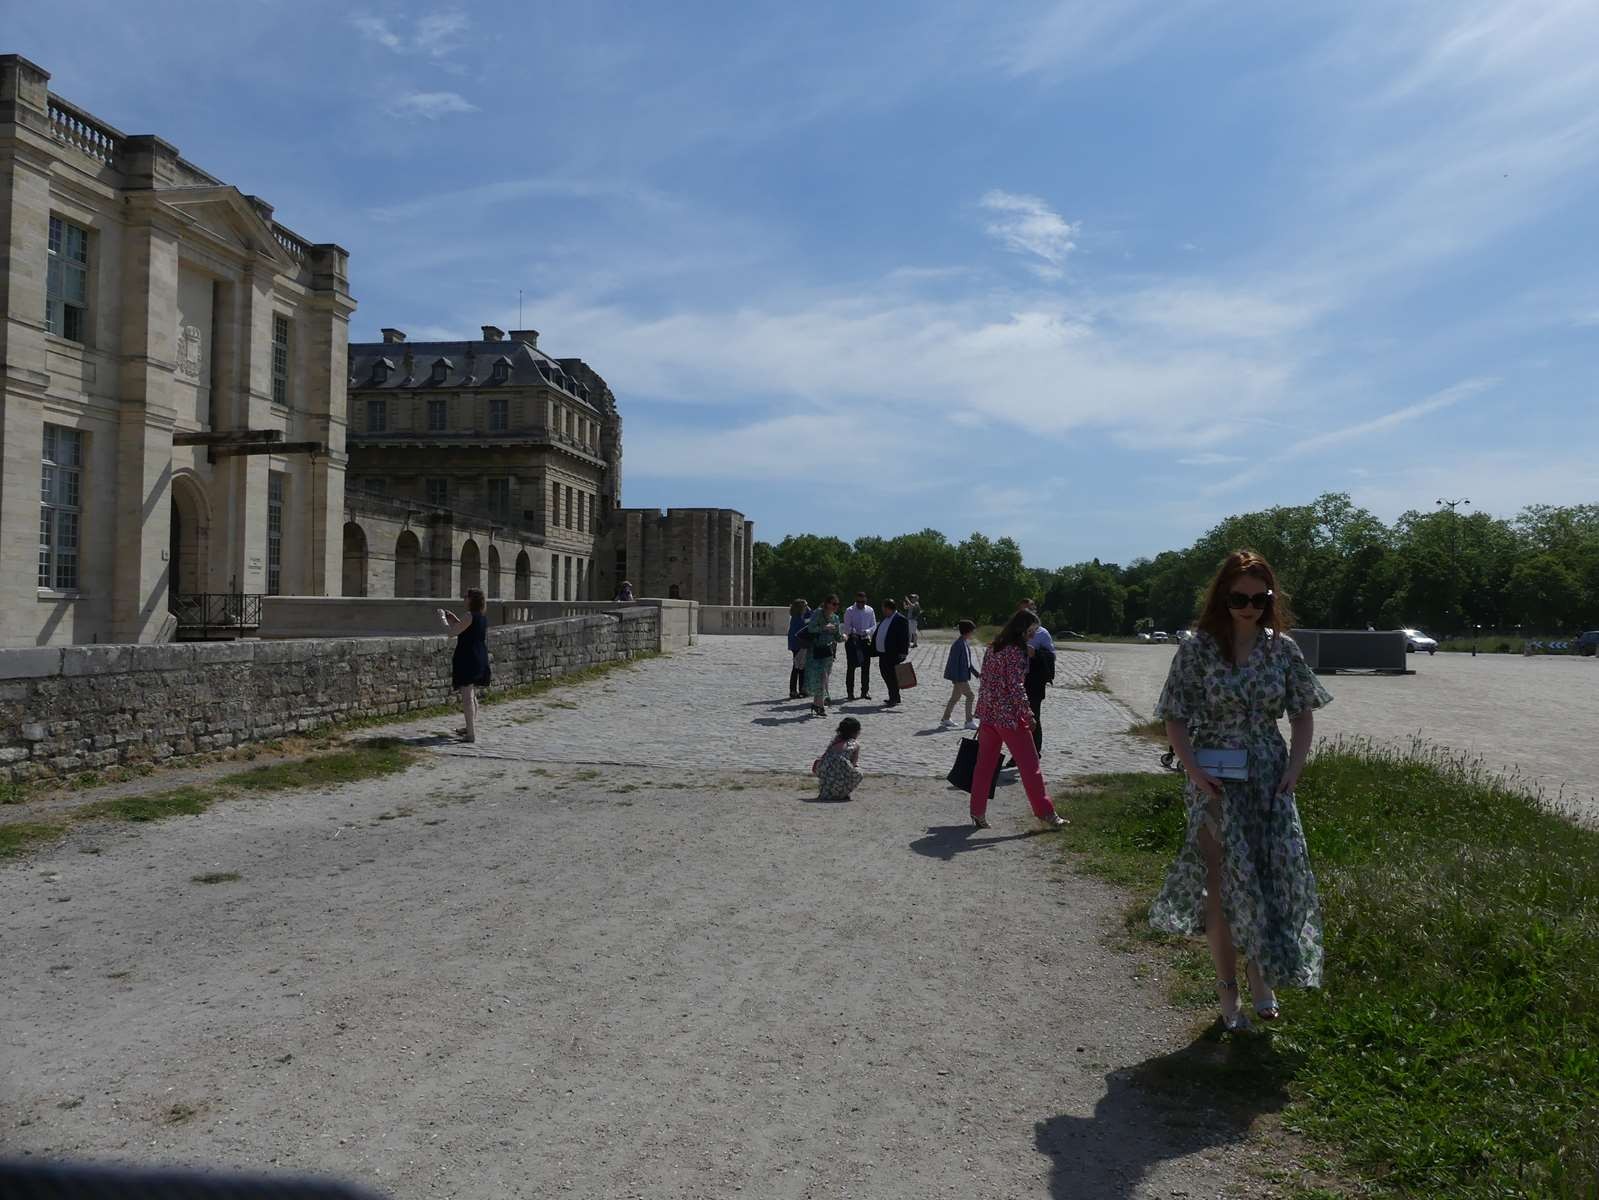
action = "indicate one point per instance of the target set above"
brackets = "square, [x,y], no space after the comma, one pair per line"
[189,351]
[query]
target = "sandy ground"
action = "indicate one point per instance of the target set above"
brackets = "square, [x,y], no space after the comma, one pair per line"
[505,973]
[1530,718]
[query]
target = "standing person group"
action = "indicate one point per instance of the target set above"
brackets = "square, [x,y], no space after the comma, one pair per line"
[1243,876]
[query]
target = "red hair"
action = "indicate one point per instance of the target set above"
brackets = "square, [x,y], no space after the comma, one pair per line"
[1216,619]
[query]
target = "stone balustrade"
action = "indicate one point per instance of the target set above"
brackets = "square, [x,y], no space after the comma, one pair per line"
[751,620]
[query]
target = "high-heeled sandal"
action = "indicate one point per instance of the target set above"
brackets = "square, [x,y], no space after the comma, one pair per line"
[1238,1022]
[1268,1010]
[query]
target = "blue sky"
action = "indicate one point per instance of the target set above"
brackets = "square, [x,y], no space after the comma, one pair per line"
[1093,275]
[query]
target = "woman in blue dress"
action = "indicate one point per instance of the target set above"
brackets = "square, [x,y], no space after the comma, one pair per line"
[1243,876]
[469,668]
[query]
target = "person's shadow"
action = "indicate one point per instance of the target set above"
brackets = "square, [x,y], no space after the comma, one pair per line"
[946,841]
[1205,1095]
[771,722]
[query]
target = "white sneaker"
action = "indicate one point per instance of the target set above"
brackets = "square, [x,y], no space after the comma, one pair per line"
[971,725]
[946,724]
[1053,821]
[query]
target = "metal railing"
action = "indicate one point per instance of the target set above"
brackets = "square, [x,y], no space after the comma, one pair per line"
[205,615]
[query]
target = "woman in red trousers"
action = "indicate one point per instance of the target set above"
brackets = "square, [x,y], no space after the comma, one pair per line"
[1006,718]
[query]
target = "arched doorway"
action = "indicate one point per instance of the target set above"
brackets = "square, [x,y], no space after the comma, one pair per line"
[186,573]
[407,556]
[524,577]
[471,567]
[494,574]
[354,560]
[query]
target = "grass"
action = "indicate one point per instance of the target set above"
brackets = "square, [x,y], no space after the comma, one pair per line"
[217,877]
[1154,731]
[371,759]
[1453,1049]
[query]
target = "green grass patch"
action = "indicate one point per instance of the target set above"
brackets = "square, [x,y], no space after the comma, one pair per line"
[19,835]
[367,760]
[1154,731]
[217,877]
[1453,1049]
[156,806]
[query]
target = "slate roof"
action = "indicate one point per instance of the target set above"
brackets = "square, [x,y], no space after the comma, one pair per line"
[527,367]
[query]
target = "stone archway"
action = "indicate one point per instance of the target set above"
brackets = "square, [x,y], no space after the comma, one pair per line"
[187,550]
[524,577]
[355,579]
[493,574]
[471,567]
[407,559]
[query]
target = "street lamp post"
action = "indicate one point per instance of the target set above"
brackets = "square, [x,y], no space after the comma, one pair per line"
[1454,535]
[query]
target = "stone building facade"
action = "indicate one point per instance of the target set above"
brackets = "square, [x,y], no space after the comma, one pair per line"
[703,554]
[174,367]
[497,432]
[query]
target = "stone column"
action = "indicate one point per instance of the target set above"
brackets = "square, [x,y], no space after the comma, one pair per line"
[145,418]
[24,371]
[748,583]
[326,372]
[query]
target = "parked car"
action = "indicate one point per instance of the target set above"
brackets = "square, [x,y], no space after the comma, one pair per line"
[1183,635]
[1586,643]
[1069,635]
[1158,635]
[1142,636]
[1416,641]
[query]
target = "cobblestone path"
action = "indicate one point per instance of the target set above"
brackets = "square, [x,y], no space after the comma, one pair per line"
[721,705]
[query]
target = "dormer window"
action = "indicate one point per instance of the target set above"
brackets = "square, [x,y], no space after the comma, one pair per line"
[441,370]
[381,371]
[502,370]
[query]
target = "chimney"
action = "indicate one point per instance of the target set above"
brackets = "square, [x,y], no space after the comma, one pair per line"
[528,337]
[492,333]
[393,335]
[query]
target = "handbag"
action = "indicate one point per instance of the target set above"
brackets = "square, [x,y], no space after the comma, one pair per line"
[965,768]
[905,675]
[1223,764]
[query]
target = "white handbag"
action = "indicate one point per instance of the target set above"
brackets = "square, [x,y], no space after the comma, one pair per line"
[1223,764]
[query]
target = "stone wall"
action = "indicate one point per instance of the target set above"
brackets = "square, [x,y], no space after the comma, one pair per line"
[66,709]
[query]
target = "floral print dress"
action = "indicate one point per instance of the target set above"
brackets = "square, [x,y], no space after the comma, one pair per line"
[1268,890]
[836,770]
[824,645]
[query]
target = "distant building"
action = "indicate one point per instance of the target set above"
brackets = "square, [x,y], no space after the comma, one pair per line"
[495,430]
[174,385]
[702,554]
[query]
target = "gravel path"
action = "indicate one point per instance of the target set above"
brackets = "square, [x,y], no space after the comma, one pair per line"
[505,973]
[1527,717]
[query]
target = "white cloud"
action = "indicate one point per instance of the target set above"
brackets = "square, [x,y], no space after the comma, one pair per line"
[435,34]
[1209,459]
[430,105]
[1447,398]
[1026,225]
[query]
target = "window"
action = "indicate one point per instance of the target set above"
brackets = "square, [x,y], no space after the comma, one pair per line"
[380,371]
[441,369]
[555,577]
[66,306]
[499,414]
[274,584]
[438,416]
[378,486]
[570,524]
[582,511]
[502,369]
[280,359]
[60,503]
[499,497]
[438,493]
[377,416]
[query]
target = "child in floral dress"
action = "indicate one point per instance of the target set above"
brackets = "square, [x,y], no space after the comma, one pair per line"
[838,770]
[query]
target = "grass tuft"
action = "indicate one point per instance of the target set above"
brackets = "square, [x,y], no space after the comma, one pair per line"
[218,877]
[19,835]
[1453,1049]
[371,758]
[157,806]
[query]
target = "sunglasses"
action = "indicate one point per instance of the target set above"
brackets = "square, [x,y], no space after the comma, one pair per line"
[1242,600]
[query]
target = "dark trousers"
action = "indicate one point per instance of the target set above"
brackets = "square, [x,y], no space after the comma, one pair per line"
[888,667]
[855,654]
[1035,697]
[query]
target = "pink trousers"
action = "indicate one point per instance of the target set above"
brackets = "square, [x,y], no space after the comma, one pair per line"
[1019,742]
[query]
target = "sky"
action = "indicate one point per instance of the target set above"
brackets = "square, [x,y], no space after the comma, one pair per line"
[1090,275]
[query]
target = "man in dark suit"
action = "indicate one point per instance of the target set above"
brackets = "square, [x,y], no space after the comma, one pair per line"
[893,642]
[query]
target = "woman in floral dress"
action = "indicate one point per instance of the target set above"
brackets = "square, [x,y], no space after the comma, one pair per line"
[1243,875]
[824,628]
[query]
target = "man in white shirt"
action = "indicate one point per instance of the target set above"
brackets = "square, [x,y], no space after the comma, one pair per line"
[860,620]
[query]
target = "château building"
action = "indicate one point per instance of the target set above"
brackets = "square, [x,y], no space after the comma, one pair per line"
[173,405]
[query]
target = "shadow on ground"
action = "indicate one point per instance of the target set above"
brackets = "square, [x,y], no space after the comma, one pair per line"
[1204,1096]
[946,841]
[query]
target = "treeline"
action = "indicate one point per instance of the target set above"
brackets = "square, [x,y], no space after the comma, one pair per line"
[1446,572]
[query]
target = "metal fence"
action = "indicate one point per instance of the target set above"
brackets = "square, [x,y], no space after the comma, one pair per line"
[204,615]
